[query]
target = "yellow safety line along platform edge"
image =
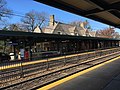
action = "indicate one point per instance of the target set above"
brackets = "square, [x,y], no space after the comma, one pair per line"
[47,87]
[44,60]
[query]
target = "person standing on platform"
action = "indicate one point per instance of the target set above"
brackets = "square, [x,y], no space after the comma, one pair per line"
[17,54]
[30,54]
[26,54]
[22,53]
[22,58]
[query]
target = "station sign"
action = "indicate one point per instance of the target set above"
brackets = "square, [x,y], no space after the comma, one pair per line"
[12,43]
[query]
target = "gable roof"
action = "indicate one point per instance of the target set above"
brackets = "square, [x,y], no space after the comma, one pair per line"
[37,30]
[49,29]
[72,29]
[92,33]
[81,31]
[65,29]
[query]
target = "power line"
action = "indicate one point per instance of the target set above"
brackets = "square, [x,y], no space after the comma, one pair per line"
[46,19]
[20,15]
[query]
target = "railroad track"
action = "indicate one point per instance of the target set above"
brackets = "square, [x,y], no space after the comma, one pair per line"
[53,74]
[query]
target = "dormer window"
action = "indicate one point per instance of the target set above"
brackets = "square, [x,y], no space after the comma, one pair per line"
[59,33]
[76,34]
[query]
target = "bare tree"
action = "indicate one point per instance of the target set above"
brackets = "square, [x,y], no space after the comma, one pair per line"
[34,18]
[107,32]
[4,14]
[78,23]
[16,27]
[116,35]
[4,11]
[3,24]
[13,27]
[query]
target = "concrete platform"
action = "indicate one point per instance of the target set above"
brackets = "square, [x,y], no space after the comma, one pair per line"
[106,77]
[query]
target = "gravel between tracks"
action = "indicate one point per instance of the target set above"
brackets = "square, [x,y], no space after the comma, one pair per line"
[54,74]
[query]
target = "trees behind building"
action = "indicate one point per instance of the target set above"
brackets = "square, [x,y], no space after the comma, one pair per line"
[33,19]
[108,33]
[28,22]
[84,24]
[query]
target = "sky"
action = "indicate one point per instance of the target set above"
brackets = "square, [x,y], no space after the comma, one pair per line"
[23,6]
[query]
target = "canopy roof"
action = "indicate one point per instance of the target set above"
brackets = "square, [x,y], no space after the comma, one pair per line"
[4,35]
[105,11]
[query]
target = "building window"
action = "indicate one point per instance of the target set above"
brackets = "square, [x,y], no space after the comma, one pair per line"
[59,33]
[76,34]
[87,34]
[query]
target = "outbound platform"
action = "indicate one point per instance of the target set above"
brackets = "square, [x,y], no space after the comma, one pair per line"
[105,76]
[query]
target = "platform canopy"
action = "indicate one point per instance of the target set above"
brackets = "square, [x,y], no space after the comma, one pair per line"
[16,35]
[105,11]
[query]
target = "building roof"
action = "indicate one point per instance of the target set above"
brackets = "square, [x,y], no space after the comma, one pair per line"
[49,29]
[105,11]
[81,31]
[37,30]
[92,33]
[66,28]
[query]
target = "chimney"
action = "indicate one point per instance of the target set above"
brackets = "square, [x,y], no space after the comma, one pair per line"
[51,22]
[82,24]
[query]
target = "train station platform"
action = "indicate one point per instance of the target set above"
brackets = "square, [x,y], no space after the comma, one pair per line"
[105,76]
